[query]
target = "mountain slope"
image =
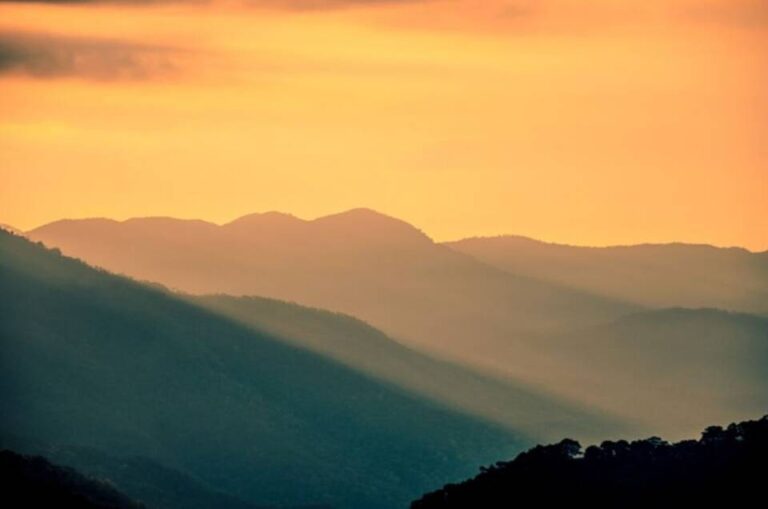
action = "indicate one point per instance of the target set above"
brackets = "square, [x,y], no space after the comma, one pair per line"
[453,306]
[725,468]
[98,361]
[155,485]
[363,348]
[32,481]
[663,275]
[374,267]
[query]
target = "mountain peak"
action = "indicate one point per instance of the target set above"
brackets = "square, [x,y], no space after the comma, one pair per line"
[506,239]
[162,225]
[362,212]
[74,225]
[270,218]
[368,223]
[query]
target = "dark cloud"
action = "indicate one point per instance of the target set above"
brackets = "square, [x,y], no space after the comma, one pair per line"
[76,2]
[66,2]
[288,4]
[49,56]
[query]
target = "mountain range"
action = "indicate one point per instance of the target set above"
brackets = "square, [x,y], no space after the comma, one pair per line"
[360,262]
[651,275]
[97,362]
[593,329]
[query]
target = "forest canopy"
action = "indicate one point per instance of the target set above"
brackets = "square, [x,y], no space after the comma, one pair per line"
[725,467]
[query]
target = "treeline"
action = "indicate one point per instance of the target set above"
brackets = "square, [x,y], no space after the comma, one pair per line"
[725,467]
[32,481]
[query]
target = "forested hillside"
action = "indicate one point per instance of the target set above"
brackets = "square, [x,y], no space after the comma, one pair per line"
[98,361]
[724,468]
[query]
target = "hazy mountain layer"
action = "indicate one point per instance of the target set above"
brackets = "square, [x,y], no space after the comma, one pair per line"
[359,262]
[662,275]
[98,361]
[155,485]
[570,342]
[669,371]
[364,348]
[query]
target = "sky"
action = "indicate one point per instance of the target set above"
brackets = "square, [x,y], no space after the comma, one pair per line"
[589,122]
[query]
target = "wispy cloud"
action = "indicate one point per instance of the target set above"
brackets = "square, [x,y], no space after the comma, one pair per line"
[52,56]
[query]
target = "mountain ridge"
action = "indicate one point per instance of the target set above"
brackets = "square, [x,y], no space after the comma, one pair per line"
[537,241]
[478,311]
[287,217]
[653,275]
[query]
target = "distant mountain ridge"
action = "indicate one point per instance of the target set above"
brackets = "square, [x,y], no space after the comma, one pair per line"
[527,240]
[655,275]
[512,315]
[359,221]
[360,262]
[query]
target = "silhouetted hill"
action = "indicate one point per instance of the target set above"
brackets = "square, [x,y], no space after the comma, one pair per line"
[366,349]
[656,275]
[33,482]
[102,362]
[725,468]
[154,484]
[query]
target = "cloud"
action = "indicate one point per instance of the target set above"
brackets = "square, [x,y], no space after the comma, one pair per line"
[283,4]
[49,56]
[76,2]
[747,13]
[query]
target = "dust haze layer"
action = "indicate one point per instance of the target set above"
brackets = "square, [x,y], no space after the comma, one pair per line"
[669,369]
[356,344]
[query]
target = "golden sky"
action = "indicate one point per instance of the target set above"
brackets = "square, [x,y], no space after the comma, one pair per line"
[587,122]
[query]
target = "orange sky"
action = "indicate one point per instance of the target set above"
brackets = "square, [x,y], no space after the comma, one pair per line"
[600,122]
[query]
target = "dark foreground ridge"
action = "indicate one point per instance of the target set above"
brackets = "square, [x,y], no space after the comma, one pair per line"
[32,481]
[725,468]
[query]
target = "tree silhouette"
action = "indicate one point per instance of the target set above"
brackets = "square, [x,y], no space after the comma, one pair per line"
[725,468]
